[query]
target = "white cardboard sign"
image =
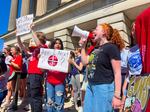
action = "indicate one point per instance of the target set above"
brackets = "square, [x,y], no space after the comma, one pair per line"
[52,59]
[23,24]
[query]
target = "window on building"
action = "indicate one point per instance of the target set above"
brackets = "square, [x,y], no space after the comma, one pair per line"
[53,4]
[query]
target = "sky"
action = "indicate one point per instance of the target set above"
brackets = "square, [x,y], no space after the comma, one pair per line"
[4,15]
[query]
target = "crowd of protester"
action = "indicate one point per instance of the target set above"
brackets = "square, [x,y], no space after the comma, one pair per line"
[96,81]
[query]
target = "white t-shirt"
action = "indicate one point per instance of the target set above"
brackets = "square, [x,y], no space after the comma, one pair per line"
[7,59]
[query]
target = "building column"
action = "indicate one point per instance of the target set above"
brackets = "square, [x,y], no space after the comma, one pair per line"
[120,22]
[25,7]
[13,15]
[41,7]
[70,43]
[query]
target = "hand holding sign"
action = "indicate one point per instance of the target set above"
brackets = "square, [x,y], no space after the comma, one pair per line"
[31,26]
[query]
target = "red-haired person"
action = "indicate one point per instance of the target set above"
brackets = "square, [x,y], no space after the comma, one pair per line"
[104,70]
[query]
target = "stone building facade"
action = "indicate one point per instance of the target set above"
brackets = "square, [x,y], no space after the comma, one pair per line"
[56,18]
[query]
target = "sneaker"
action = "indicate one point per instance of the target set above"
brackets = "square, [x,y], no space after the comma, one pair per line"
[20,100]
[44,108]
[72,99]
[5,104]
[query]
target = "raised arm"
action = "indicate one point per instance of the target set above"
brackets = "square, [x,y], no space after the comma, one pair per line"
[34,36]
[79,67]
[21,45]
[84,55]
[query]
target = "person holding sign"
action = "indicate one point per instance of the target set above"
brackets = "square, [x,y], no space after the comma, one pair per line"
[55,84]
[35,74]
[104,70]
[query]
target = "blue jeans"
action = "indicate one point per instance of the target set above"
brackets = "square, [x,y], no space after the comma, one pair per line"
[55,97]
[98,98]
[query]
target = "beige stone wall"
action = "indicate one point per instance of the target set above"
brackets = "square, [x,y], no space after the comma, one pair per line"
[65,36]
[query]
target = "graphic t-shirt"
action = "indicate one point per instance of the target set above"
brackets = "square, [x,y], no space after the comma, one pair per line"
[134,61]
[100,70]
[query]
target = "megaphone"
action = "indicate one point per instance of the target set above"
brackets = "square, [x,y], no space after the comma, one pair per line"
[85,35]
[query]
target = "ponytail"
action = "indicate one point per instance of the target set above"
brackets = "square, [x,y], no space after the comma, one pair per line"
[113,35]
[116,39]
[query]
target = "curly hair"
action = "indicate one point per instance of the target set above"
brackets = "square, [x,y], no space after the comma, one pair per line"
[116,39]
[113,35]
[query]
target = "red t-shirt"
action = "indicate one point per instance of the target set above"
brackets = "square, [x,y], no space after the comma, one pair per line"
[17,59]
[33,62]
[56,77]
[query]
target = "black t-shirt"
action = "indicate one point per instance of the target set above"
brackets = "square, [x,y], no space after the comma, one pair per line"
[100,70]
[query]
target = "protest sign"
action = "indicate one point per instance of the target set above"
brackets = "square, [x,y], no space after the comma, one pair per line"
[1,44]
[138,94]
[23,24]
[52,59]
